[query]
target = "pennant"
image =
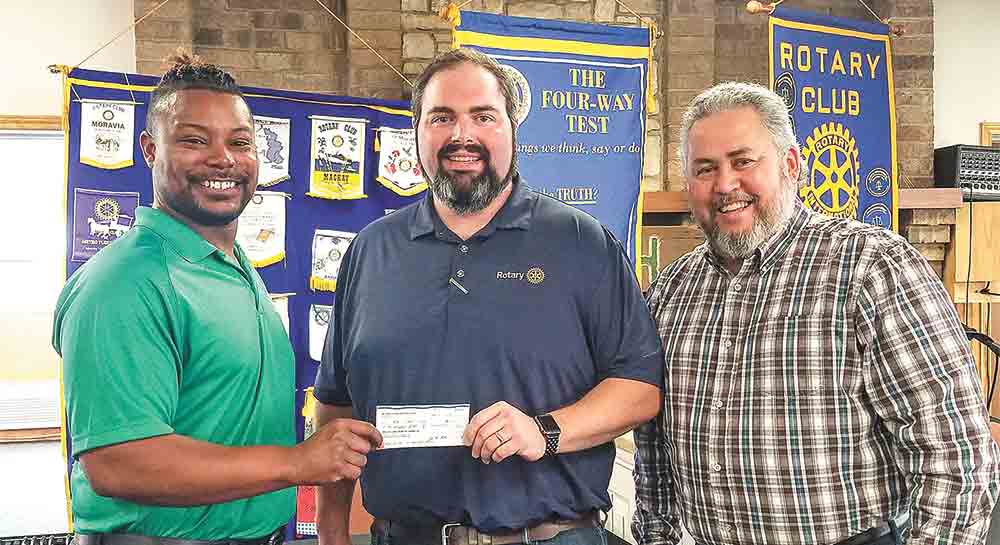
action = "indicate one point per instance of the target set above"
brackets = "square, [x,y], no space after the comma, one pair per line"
[337,158]
[328,250]
[100,218]
[273,145]
[319,322]
[261,229]
[398,167]
[280,301]
[106,133]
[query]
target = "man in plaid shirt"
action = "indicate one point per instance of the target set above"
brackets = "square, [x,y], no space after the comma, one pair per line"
[819,387]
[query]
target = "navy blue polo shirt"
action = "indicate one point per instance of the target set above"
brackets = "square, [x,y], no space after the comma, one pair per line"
[545,308]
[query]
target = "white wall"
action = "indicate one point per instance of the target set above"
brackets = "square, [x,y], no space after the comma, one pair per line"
[966,77]
[37,34]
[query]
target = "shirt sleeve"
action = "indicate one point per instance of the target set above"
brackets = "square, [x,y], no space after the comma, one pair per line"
[330,386]
[921,379]
[621,332]
[121,364]
[655,520]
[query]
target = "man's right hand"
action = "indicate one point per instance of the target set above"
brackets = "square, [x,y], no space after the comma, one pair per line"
[337,451]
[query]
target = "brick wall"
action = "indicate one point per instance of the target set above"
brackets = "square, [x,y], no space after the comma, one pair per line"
[284,44]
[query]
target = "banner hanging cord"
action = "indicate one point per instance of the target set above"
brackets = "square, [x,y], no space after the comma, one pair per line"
[120,34]
[362,40]
[647,20]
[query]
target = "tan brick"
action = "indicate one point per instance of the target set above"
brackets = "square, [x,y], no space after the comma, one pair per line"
[152,68]
[938,268]
[915,97]
[691,26]
[228,57]
[304,41]
[253,4]
[919,8]
[690,64]
[376,77]
[210,18]
[176,9]
[690,81]
[311,82]
[260,78]
[375,20]
[605,10]
[154,51]
[310,5]
[540,10]
[915,133]
[363,58]
[379,39]
[692,7]
[680,97]
[166,30]
[924,234]
[691,44]
[240,39]
[414,5]
[321,22]
[578,12]
[937,216]
[319,63]
[414,68]
[912,62]
[269,39]
[913,45]
[374,5]
[267,60]
[488,6]
[932,252]
[915,26]
[413,21]
[418,45]
[914,115]
[913,79]
[208,36]
[651,184]
[652,154]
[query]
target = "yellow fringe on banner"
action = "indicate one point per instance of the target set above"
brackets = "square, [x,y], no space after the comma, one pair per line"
[376,146]
[453,15]
[269,260]
[651,105]
[322,284]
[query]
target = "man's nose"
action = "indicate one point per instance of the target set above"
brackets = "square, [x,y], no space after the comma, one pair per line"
[726,180]
[461,131]
[221,156]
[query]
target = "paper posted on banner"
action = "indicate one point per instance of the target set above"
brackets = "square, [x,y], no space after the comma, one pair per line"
[100,218]
[337,158]
[398,167]
[261,229]
[328,251]
[106,133]
[273,149]
[319,322]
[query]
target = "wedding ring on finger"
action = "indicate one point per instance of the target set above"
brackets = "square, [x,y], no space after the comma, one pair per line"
[500,436]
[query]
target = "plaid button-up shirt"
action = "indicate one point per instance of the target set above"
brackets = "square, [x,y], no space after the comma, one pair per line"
[822,390]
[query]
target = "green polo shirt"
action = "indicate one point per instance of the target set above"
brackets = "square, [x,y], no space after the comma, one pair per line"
[161,333]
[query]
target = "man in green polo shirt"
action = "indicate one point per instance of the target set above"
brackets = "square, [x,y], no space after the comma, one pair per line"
[179,377]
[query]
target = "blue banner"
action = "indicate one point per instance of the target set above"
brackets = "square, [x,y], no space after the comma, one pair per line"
[836,78]
[583,93]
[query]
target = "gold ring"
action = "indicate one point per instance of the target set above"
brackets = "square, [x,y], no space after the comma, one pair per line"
[500,437]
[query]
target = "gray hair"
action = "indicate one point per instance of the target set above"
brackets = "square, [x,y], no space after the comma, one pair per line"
[733,95]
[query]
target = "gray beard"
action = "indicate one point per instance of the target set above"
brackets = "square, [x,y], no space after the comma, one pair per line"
[480,193]
[740,245]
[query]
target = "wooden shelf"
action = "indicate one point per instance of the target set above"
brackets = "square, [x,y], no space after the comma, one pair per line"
[676,201]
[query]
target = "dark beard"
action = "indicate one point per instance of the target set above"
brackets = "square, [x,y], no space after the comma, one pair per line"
[480,191]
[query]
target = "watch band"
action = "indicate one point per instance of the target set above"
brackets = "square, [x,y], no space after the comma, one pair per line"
[550,431]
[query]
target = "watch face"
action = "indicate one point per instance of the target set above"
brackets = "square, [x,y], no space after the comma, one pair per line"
[548,424]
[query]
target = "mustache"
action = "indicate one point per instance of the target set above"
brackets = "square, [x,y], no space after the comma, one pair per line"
[470,148]
[733,197]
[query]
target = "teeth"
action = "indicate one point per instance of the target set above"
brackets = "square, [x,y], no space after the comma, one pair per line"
[734,206]
[463,159]
[215,184]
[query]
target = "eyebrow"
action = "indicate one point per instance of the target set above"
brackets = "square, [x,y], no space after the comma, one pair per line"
[474,109]
[732,154]
[204,128]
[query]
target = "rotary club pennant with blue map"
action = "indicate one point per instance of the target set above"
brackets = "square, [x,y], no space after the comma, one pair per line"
[261,228]
[272,137]
[106,133]
[398,167]
[328,251]
[100,218]
[835,75]
[583,94]
[337,158]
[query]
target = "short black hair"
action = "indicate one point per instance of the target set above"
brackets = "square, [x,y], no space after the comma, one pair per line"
[456,57]
[187,72]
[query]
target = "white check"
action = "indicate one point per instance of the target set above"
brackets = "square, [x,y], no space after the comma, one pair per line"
[405,426]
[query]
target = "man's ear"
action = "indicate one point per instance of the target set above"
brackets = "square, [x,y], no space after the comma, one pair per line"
[793,162]
[148,146]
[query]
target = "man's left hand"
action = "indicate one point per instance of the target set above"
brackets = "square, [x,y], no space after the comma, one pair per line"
[501,431]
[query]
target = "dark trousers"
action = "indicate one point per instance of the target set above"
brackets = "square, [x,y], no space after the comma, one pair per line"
[576,536]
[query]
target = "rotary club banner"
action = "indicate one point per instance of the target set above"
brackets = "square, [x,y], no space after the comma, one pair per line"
[261,228]
[100,218]
[398,167]
[337,158]
[835,76]
[272,138]
[106,129]
[328,250]
[584,94]
[319,321]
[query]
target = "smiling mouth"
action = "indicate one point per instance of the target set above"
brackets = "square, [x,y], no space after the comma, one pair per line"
[219,185]
[733,207]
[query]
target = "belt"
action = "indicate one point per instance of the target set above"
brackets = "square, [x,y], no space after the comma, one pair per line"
[459,534]
[867,536]
[276,537]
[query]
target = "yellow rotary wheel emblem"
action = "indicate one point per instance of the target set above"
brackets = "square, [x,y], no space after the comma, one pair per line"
[832,158]
[535,275]
[107,209]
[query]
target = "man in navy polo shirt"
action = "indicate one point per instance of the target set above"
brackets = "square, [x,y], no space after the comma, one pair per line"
[487,294]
